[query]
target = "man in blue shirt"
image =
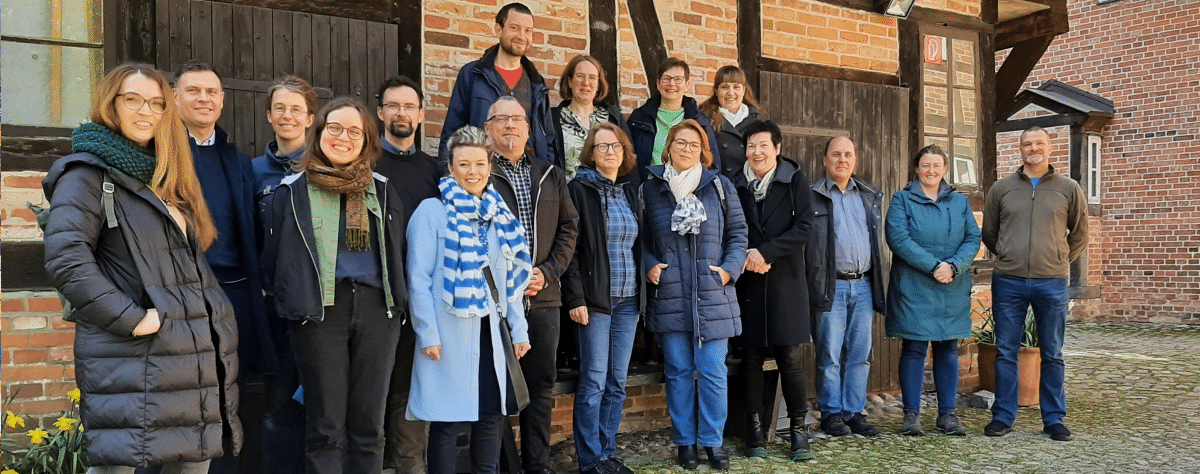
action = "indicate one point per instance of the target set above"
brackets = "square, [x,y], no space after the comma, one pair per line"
[845,287]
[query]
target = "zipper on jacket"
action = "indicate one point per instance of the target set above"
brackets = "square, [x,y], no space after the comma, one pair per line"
[1029,245]
[316,268]
[383,250]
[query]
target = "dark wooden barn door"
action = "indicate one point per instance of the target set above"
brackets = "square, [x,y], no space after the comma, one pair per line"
[811,111]
[252,46]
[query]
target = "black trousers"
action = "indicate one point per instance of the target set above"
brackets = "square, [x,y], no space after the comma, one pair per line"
[345,366]
[485,433]
[791,376]
[541,372]
[405,448]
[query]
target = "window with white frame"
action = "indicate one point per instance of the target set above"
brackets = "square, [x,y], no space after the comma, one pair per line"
[1093,169]
[52,59]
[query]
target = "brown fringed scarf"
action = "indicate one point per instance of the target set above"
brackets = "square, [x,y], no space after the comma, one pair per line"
[351,182]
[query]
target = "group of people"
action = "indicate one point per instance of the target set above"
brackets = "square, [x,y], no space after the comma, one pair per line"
[373,302]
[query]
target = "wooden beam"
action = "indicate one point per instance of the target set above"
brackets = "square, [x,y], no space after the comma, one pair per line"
[989,11]
[1017,66]
[24,266]
[828,72]
[602,21]
[948,19]
[651,43]
[909,35]
[865,5]
[407,15]
[369,10]
[749,39]
[987,119]
[1050,22]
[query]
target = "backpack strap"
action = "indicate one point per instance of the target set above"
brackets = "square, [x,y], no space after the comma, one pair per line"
[107,202]
[721,194]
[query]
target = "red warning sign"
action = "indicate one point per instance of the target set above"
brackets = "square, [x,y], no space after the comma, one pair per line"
[934,49]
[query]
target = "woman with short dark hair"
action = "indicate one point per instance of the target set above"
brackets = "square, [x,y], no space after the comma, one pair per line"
[934,238]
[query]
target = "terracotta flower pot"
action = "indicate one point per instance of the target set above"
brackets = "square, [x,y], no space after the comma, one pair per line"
[1029,372]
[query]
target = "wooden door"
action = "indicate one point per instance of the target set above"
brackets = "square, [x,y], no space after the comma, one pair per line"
[812,110]
[251,47]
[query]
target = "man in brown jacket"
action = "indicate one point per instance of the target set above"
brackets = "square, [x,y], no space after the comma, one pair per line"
[1035,222]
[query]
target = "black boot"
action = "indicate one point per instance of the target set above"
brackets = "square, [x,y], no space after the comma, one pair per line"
[799,434]
[688,457]
[756,439]
[717,458]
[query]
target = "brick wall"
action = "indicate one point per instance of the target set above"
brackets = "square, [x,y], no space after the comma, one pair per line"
[965,7]
[812,32]
[1144,55]
[36,356]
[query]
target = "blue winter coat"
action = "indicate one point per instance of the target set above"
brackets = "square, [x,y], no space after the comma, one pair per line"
[475,90]
[923,233]
[689,296]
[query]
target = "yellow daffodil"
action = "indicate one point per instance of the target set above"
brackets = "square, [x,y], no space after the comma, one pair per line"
[74,395]
[13,420]
[37,435]
[65,423]
[81,427]
[8,471]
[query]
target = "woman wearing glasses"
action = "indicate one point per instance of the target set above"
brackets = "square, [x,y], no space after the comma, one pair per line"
[650,123]
[695,247]
[602,288]
[155,336]
[334,256]
[584,87]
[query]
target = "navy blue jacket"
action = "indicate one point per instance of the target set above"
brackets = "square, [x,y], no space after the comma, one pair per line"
[271,168]
[475,90]
[643,125]
[560,152]
[822,263]
[257,348]
[689,296]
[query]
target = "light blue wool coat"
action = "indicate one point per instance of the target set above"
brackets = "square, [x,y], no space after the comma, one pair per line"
[921,233]
[448,389]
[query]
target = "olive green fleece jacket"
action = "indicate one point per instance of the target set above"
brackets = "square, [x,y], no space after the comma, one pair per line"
[1035,232]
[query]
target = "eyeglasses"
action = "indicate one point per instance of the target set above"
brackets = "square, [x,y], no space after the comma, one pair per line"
[608,147]
[677,80]
[406,108]
[684,145]
[294,111]
[335,129]
[134,101]
[516,119]
[587,78]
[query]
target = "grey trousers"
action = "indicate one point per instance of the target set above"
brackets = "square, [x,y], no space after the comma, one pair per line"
[170,468]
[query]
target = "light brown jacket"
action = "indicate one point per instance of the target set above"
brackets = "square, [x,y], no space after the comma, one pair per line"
[1035,232]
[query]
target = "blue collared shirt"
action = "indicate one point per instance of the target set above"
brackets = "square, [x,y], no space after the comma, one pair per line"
[851,236]
[390,148]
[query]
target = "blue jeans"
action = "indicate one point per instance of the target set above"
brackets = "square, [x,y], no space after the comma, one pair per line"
[688,365]
[945,373]
[843,343]
[605,345]
[1011,298]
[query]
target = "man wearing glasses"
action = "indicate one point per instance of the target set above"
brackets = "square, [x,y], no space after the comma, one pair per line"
[503,71]
[536,191]
[414,175]
[649,124]
[227,179]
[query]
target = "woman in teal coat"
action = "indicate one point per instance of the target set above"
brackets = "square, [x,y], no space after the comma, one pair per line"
[934,238]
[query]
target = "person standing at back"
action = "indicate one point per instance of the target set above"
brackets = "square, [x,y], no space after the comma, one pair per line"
[414,175]
[650,124]
[227,179]
[503,71]
[732,109]
[1035,221]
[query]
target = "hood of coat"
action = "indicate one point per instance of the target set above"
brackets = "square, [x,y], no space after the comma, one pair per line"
[914,191]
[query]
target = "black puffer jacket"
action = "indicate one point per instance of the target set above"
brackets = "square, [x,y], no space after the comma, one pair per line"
[149,400]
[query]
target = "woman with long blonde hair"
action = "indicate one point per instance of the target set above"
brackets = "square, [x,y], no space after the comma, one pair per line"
[155,336]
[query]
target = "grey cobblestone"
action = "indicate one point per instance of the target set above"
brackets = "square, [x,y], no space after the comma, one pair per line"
[1133,401]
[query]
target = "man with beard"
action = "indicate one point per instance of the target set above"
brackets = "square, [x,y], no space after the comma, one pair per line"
[536,191]
[1035,221]
[504,71]
[414,175]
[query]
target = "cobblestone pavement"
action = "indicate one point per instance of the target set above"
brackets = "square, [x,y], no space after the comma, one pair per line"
[1133,402]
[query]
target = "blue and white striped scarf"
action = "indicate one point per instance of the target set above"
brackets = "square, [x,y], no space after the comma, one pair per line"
[466,252]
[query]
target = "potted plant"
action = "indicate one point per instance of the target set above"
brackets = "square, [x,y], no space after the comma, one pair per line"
[1029,359]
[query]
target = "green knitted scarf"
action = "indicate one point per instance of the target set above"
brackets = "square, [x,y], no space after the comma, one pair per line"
[115,150]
